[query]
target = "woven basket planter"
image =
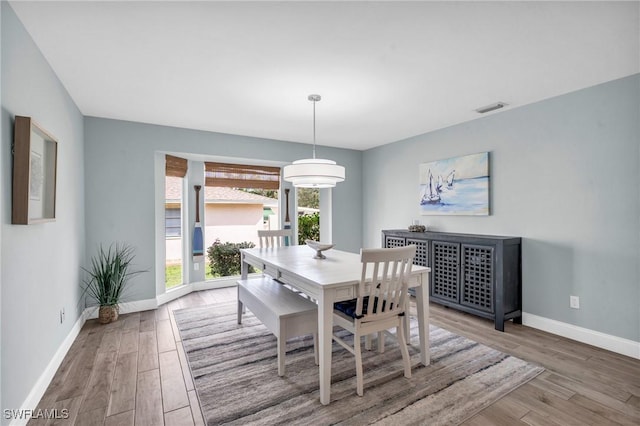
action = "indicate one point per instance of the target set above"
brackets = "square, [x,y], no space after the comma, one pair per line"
[107,314]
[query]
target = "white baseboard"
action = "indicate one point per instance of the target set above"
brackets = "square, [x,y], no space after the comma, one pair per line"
[173,294]
[605,341]
[219,283]
[38,390]
[595,338]
[185,289]
[45,378]
[125,308]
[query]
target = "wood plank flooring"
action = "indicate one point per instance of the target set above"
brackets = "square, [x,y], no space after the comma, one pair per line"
[134,372]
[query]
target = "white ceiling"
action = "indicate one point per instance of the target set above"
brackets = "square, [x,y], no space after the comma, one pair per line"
[385,70]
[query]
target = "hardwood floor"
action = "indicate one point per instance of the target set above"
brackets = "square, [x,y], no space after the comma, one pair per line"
[134,371]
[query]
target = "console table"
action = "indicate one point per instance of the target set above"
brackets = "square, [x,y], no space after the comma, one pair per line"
[478,274]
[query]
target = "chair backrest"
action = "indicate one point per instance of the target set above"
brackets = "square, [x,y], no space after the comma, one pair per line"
[390,269]
[274,238]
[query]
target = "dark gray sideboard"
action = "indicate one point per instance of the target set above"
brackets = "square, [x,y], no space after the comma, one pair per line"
[478,274]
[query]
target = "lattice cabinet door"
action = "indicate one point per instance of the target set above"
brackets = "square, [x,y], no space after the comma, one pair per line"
[445,261]
[422,251]
[390,241]
[478,269]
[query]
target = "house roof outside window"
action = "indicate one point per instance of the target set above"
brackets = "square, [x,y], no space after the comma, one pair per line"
[218,195]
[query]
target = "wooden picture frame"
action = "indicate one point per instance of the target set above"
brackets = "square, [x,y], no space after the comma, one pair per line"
[35,157]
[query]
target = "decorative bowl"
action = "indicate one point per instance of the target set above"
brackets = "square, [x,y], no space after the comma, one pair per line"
[319,248]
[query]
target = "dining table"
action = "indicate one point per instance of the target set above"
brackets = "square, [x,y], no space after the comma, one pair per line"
[328,280]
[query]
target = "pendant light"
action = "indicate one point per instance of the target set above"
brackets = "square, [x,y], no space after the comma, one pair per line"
[314,172]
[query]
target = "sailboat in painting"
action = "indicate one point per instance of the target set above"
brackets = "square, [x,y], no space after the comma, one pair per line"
[431,194]
[439,184]
[450,178]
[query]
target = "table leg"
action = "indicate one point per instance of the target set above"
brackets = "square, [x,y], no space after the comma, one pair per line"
[407,319]
[325,340]
[422,302]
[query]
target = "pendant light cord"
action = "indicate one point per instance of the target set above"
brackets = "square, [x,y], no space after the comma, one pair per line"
[314,129]
[314,99]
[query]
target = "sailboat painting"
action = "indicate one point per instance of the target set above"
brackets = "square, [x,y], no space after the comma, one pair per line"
[455,186]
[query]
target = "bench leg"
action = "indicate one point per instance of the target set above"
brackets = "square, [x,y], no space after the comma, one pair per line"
[282,349]
[240,310]
[240,307]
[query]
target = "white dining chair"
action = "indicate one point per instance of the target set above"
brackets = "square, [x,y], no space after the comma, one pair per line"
[274,238]
[379,305]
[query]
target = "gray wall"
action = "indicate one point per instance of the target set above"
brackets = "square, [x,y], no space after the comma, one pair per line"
[1,209]
[40,264]
[119,179]
[40,268]
[564,176]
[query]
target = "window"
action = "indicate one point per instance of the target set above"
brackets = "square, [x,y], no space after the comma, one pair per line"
[239,200]
[173,222]
[175,172]
[308,214]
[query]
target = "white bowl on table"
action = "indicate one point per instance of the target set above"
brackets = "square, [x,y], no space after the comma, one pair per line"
[319,248]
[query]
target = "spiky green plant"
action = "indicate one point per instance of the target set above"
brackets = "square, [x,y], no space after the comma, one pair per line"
[109,274]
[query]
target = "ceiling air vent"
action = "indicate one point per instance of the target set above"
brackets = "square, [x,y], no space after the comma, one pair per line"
[492,107]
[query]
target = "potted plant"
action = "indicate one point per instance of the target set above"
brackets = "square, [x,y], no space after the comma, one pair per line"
[108,277]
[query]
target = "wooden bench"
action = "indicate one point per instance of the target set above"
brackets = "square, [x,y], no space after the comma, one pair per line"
[284,312]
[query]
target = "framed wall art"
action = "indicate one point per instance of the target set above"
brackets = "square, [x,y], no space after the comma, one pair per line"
[35,155]
[455,186]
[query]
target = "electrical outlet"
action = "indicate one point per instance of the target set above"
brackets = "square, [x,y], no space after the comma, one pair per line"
[196,266]
[574,302]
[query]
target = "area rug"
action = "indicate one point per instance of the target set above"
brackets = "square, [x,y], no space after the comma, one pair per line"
[235,373]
